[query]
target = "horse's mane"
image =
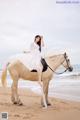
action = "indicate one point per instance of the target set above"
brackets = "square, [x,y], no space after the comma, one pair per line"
[52,56]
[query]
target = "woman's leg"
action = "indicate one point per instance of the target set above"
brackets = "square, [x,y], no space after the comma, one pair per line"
[40,68]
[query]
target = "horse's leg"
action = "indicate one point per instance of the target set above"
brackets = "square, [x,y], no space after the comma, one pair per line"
[45,89]
[14,97]
[14,91]
[44,99]
[41,84]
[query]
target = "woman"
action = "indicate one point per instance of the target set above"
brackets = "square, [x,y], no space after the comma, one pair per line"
[36,53]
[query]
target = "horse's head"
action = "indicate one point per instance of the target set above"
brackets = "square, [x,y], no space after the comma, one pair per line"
[67,63]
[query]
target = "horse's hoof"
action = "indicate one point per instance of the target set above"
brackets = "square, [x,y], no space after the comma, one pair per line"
[44,106]
[49,104]
[15,103]
[20,104]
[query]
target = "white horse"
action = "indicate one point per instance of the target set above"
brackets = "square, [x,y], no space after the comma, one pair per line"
[17,70]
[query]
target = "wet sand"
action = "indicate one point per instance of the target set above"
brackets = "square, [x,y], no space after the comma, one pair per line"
[32,109]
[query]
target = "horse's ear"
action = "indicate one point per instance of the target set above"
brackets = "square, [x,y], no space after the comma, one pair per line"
[65,54]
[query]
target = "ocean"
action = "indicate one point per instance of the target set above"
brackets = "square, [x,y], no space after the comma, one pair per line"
[65,86]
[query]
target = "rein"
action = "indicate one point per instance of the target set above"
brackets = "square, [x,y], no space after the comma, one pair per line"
[57,72]
[61,72]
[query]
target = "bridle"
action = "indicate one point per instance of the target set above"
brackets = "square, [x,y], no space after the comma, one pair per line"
[58,73]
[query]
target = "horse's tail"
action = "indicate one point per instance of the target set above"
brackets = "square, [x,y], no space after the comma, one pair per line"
[3,76]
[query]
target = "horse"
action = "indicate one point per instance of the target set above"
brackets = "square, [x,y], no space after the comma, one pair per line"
[17,70]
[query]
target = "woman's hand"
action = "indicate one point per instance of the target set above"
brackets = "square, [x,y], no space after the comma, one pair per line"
[26,51]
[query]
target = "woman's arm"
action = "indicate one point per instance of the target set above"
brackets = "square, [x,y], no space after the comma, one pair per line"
[42,41]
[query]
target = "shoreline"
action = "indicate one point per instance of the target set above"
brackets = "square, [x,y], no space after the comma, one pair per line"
[61,89]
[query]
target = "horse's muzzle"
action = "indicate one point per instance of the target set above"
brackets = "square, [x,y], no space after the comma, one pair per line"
[70,69]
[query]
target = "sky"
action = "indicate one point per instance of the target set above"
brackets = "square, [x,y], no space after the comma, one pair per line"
[21,20]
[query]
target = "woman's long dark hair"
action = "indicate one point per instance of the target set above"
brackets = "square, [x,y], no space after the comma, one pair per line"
[39,42]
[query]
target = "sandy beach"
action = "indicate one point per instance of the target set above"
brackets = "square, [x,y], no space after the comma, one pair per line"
[32,110]
[58,22]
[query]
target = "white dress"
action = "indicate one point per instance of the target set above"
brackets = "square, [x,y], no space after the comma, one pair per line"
[31,60]
[35,56]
